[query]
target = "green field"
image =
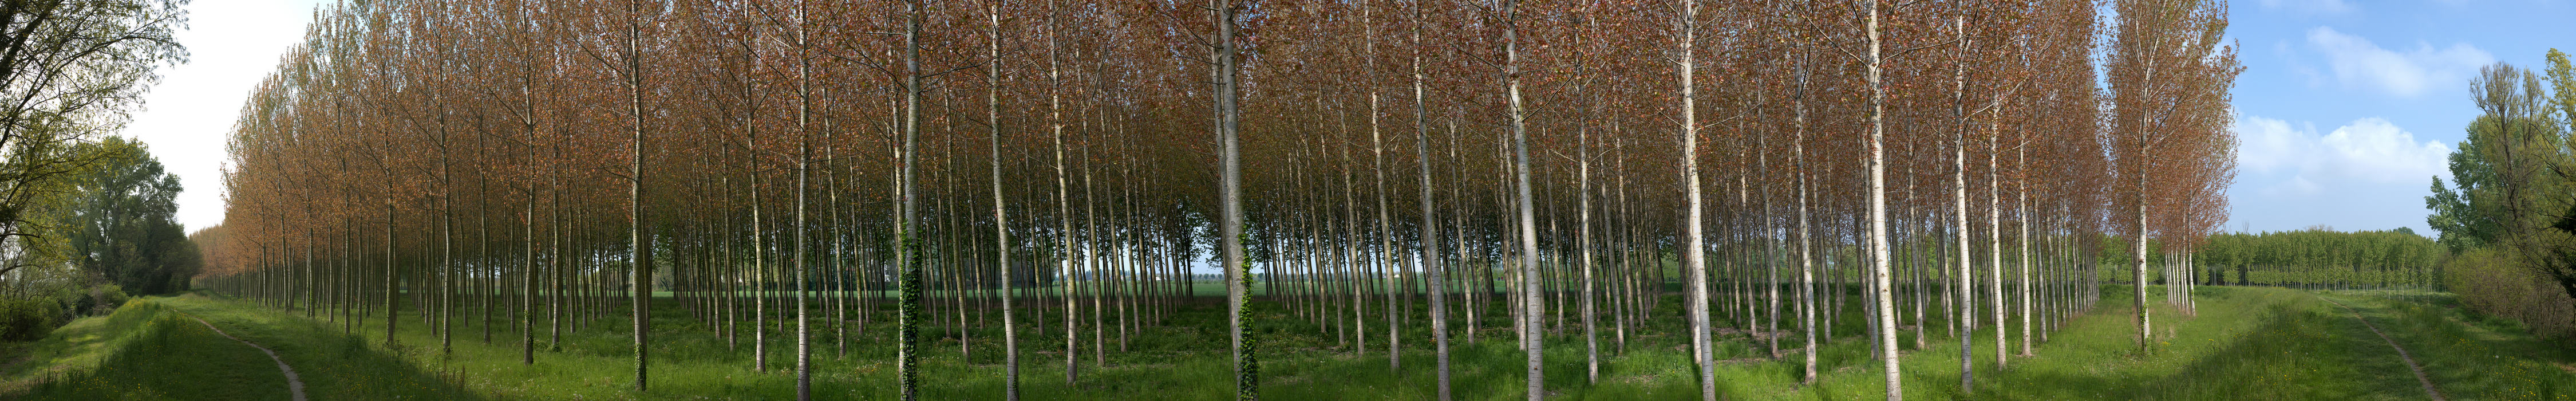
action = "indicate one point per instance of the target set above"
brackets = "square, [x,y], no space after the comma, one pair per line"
[2246,343]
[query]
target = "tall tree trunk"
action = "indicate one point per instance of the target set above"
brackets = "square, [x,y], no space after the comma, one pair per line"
[1385,224]
[1238,281]
[1001,217]
[393,274]
[1432,264]
[1583,235]
[1693,250]
[1965,288]
[909,248]
[1878,254]
[804,160]
[638,234]
[528,274]
[1063,206]
[1528,220]
[2022,208]
[1995,239]
[1808,301]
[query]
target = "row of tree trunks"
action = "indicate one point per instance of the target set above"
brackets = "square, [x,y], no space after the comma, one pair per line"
[864,205]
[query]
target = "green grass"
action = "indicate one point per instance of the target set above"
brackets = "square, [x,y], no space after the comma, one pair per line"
[145,352]
[79,346]
[2467,356]
[2245,343]
[152,349]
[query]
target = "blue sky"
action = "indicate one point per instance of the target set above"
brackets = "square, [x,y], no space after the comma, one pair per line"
[2347,108]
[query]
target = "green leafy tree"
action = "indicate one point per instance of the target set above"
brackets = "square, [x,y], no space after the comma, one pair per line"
[2560,242]
[2462,225]
[2513,171]
[120,220]
[71,69]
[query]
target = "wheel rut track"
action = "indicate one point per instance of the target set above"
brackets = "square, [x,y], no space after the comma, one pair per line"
[2418,369]
[294,384]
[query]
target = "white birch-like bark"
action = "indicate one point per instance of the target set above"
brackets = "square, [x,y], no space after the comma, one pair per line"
[1529,256]
[1432,266]
[1879,266]
[1693,256]
[1001,215]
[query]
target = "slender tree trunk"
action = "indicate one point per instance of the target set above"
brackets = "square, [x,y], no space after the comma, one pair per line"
[1808,301]
[1001,217]
[909,248]
[393,274]
[1528,220]
[1995,242]
[1693,250]
[804,160]
[638,232]
[1878,251]
[528,274]
[1377,157]
[1432,265]
[2022,208]
[1583,235]
[1230,202]
[1965,288]
[1063,207]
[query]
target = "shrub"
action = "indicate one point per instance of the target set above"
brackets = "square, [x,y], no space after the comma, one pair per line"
[106,298]
[2492,284]
[23,319]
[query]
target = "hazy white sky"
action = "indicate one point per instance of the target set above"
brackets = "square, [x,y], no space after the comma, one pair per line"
[232,44]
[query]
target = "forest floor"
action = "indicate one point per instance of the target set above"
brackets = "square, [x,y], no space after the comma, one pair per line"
[2244,343]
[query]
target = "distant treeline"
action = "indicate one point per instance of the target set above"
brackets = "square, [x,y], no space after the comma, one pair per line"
[2319,258]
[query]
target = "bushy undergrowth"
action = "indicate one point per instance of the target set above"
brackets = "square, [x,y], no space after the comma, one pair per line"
[28,319]
[2491,283]
[81,345]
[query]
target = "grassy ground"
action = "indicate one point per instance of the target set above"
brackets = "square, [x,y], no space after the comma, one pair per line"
[2468,356]
[2245,343]
[144,352]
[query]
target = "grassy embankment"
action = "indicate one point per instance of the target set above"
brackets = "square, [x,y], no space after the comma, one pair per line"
[152,349]
[2245,343]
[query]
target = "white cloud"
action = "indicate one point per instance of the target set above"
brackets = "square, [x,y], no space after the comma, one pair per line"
[2356,62]
[2366,153]
[2367,174]
[2373,148]
[2308,6]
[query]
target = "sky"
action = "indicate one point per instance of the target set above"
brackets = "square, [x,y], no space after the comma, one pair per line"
[232,44]
[2346,108]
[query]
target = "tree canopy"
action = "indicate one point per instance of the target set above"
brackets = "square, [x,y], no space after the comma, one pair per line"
[2510,177]
[121,222]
